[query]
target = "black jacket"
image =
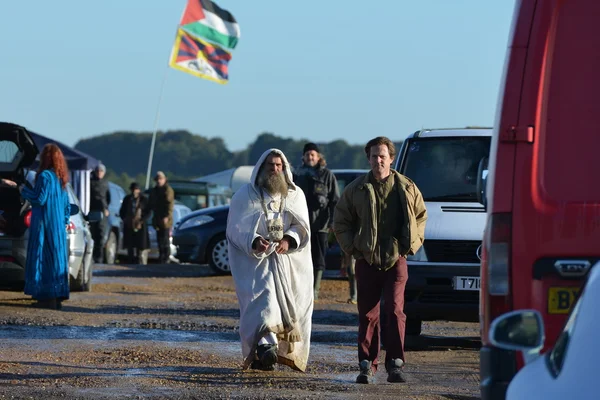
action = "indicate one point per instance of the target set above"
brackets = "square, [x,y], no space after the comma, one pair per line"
[99,194]
[320,188]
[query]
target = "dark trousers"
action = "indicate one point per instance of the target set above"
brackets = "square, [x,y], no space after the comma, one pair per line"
[318,248]
[98,231]
[164,245]
[371,282]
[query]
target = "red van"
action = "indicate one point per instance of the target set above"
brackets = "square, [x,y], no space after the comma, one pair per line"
[543,185]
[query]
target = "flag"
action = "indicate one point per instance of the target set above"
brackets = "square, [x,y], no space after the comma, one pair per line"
[205,19]
[199,58]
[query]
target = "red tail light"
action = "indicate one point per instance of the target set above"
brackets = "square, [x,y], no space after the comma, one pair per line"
[27,219]
[498,263]
[71,228]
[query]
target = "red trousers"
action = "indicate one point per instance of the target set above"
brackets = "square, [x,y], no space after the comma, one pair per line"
[372,283]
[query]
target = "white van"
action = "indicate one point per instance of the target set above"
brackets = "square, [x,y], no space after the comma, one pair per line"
[443,277]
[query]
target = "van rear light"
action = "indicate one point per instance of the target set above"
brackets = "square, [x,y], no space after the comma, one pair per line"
[499,254]
[27,219]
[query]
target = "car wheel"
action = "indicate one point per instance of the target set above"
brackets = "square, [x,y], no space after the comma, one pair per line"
[110,250]
[218,255]
[78,284]
[87,284]
[413,326]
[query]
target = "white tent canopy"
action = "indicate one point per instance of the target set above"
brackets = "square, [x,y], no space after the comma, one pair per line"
[233,178]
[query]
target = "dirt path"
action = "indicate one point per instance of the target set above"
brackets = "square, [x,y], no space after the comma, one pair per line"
[170,331]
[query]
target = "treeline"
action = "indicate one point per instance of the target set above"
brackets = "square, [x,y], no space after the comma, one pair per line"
[183,155]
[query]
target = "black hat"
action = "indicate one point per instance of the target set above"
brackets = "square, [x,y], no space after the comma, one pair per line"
[309,147]
[134,186]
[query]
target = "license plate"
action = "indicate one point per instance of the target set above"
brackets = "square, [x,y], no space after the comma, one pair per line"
[561,299]
[466,283]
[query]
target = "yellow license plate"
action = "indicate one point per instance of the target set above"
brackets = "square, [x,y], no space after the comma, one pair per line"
[561,299]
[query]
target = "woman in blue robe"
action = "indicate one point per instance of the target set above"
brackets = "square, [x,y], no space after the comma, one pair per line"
[47,266]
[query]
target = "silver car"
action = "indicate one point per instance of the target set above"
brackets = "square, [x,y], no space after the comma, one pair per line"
[17,154]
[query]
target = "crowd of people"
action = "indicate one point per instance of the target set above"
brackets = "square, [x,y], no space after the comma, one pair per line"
[277,232]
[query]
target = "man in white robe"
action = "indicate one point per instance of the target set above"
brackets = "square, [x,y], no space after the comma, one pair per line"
[269,254]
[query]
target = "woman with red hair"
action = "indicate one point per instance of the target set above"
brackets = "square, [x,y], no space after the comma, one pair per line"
[47,267]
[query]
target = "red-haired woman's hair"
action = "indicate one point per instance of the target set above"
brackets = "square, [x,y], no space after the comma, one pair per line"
[52,157]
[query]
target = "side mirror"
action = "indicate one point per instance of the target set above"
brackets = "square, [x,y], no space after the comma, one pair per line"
[521,330]
[74,209]
[482,174]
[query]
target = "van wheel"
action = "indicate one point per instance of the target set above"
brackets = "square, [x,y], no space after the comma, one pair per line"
[110,250]
[218,255]
[413,326]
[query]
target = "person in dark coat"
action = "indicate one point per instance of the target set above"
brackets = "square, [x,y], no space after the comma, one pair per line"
[47,266]
[134,212]
[162,200]
[99,201]
[320,188]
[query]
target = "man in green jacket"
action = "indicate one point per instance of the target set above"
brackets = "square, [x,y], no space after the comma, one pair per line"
[162,200]
[380,219]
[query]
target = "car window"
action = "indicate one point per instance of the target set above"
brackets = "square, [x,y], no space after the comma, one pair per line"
[556,357]
[445,169]
[8,151]
[72,197]
[344,179]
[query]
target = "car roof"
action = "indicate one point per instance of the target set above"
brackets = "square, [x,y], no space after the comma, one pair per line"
[452,132]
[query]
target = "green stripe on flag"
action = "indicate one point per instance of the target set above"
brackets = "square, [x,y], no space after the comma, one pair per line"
[202,31]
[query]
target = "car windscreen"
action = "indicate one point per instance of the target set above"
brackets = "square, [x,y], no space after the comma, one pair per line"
[445,168]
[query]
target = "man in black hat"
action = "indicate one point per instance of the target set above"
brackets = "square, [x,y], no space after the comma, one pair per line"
[320,188]
[99,201]
[134,212]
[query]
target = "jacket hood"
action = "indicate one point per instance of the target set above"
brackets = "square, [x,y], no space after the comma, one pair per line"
[287,170]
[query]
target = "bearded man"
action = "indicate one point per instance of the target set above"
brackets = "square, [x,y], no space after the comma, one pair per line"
[268,231]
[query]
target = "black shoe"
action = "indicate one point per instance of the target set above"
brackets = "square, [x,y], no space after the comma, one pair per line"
[267,356]
[395,372]
[366,372]
[49,304]
[256,364]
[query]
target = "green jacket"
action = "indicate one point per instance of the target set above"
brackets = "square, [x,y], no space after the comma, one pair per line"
[355,223]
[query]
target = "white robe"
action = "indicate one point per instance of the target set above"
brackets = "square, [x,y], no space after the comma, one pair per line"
[275,292]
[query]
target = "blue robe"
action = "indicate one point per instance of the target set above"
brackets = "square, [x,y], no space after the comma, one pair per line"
[47,266]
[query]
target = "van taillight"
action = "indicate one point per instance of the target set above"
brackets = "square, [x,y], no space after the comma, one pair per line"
[498,257]
[27,219]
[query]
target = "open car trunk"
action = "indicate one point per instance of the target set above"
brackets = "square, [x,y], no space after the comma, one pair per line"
[17,153]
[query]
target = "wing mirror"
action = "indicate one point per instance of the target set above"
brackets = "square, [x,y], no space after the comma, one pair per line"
[74,209]
[521,330]
[482,174]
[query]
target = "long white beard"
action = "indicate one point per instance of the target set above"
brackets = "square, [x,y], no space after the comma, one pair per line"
[274,184]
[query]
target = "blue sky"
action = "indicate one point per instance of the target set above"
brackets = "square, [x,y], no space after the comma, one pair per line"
[321,71]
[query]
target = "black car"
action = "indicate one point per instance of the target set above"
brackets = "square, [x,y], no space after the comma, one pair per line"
[200,238]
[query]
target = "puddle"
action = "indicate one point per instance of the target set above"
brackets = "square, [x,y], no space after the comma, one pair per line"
[111,334]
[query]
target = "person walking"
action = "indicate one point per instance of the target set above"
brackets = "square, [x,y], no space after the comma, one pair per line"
[99,201]
[380,219]
[320,188]
[268,234]
[134,212]
[162,200]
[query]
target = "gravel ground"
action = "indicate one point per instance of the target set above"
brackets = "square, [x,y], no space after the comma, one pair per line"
[171,331]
